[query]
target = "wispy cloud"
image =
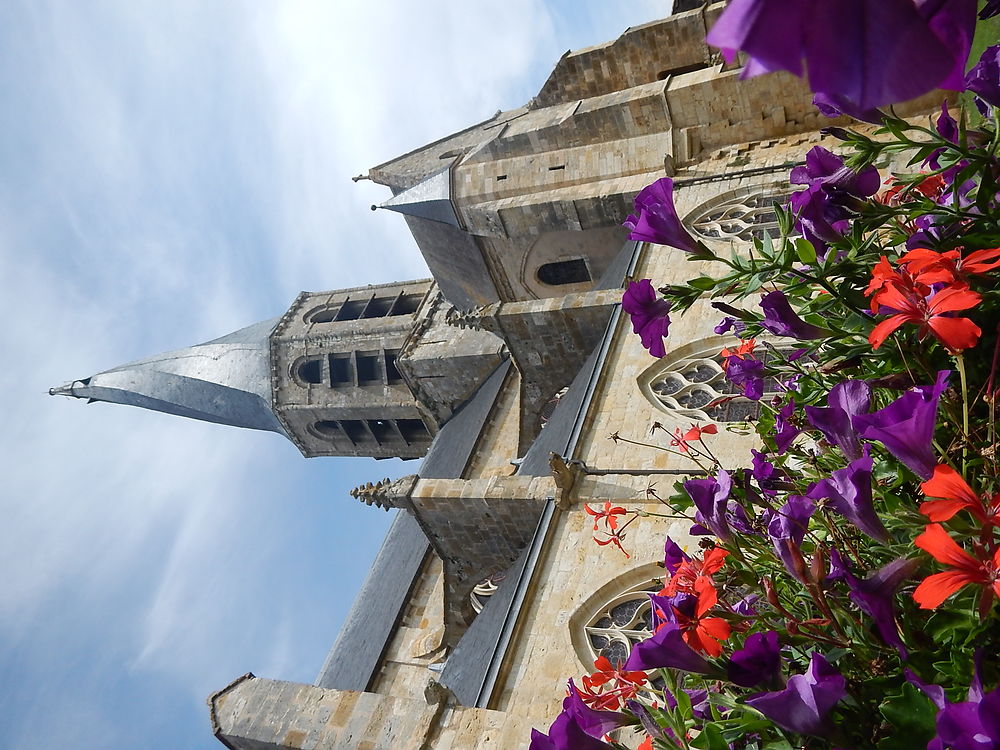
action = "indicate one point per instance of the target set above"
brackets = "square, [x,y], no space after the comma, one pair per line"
[172,172]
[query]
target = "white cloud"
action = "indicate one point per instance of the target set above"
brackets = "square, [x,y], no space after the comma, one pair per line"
[172,172]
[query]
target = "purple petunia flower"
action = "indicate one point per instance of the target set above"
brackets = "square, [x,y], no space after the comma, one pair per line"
[849,492]
[657,221]
[906,426]
[711,498]
[984,78]
[833,105]
[725,325]
[565,734]
[593,722]
[990,9]
[784,431]
[649,313]
[845,401]
[758,661]
[673,556]
[802,707]
[822,210]
[865,52]
[973,724]
[875,597]
[747,373]
[781,320]
[666,649]
[823,168]
[787,528]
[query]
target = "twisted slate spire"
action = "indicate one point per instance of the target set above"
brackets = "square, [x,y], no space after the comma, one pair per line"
[227,381]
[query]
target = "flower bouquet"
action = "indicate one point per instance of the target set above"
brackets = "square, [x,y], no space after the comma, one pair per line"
[844,593]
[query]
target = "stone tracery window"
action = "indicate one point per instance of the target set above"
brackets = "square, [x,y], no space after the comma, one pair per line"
[739,215]
[621,622]
[690,383]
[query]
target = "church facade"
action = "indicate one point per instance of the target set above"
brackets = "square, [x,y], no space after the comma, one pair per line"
[515,375]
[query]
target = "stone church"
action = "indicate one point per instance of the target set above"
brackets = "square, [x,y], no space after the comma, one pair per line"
[515,375]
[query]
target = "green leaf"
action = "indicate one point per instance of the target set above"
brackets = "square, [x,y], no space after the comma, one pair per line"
[778,745]
[756,282]
[711,738]
[704,283]
[767,246]
[912,716]
[683,704]
[805,250]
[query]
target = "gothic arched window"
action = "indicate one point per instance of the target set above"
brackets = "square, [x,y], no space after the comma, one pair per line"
[620,622]
[739,214]
[564,272]
[690,383]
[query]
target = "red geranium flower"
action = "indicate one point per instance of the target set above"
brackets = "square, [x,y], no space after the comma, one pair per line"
[608,514]
[681,441]
[689,572]
[609,687]
[931,187]
[965,568]
[703,634]
[615,539]
[956,495]
[930,267]
[930,313]
[744,350]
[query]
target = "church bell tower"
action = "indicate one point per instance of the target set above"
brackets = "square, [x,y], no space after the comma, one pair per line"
[369,371]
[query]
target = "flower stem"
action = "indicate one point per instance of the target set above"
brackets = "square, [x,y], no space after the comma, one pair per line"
[960,362]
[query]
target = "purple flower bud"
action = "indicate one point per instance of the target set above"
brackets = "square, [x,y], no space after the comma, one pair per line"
[787,528]
[781,320]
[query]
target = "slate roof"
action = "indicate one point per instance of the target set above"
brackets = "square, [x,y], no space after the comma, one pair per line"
[355,655]
[453,445]
[354,658]
[456,262]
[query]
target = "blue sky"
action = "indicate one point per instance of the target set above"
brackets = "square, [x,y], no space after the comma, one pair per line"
[170,172]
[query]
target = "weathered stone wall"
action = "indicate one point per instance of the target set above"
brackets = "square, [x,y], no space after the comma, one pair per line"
[404,671]
[498,442]
[444,366]
[332,361]
[261,714]
[642,54]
